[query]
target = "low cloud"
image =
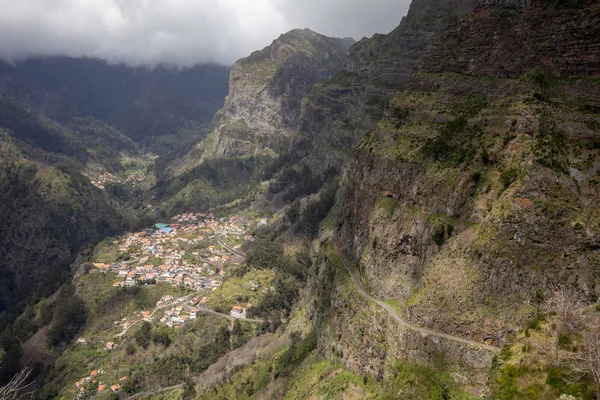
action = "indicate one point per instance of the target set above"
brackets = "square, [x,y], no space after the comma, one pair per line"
[178,32]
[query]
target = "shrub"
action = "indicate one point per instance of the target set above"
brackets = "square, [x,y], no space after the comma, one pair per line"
[315,212]
[143,336]
[564,341]
[508,176]
[69,316]
[442,232]
[161,336]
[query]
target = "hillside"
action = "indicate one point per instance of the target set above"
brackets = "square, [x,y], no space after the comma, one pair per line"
[159,109]
[474,200]
[412,216]
[278,124]
[77,137]
[252,133]
[49,212]
[71,124]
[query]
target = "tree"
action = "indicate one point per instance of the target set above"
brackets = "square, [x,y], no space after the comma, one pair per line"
[142,336]
[189,389]
[587,359]
[538,298]
[14,388]
[161,336]
[69,316]
[264,254]
[570,318]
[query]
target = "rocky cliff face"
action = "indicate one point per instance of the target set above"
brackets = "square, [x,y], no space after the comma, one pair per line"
[266,91]
[276,108]
[258,120]
[267,88]
[560,37]
[478,187]
[338,113]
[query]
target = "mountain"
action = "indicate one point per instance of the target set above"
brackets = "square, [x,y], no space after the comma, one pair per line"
[71,124]
[49,212]
[464,238]
[473,200]
[338,113]
[417,217]
[279,125]
[157,108]
[255,127]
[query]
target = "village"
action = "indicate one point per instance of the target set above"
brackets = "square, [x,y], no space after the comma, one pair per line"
[100,181]
[190,251]
[180,253]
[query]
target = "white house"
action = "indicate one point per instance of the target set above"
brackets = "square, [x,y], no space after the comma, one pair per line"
[238,312]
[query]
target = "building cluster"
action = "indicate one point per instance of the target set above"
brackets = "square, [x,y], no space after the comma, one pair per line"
[92,383]
[177,253]
[101,180]
[179,313]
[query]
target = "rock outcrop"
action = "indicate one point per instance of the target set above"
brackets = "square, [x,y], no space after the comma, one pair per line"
[501,40]
[266,91]
[337,114]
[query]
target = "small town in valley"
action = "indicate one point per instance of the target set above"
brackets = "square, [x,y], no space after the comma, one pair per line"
[192,253]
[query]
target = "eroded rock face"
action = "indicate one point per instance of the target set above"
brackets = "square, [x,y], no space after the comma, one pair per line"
[266,90]
[477,187]
[257,122]
[337,114]
[504,41]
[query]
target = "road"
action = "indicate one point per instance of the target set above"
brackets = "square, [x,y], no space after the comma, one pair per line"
[222,243]
[408,325]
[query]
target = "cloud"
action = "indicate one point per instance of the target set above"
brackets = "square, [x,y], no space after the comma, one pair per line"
[178,32]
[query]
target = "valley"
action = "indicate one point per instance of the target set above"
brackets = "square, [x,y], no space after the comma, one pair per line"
[413,215]
[183,271]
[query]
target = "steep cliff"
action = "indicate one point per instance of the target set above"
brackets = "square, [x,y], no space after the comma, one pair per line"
[338,113]
[282,106]
[256,125]
[476,193]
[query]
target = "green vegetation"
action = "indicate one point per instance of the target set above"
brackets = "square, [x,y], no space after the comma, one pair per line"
[550,149]
[457,142]
[316,211]
[299,373]
[143,335]
[290,275]
[508,176]
[562,382]
[69,316]
[387,205]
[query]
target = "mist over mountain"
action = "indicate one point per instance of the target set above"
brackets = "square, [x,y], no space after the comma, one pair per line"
[177,33]
[144,104]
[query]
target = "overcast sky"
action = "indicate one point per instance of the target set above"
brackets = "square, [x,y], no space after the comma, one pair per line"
[180,32]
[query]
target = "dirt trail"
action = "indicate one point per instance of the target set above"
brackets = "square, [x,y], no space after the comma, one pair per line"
[408,325]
